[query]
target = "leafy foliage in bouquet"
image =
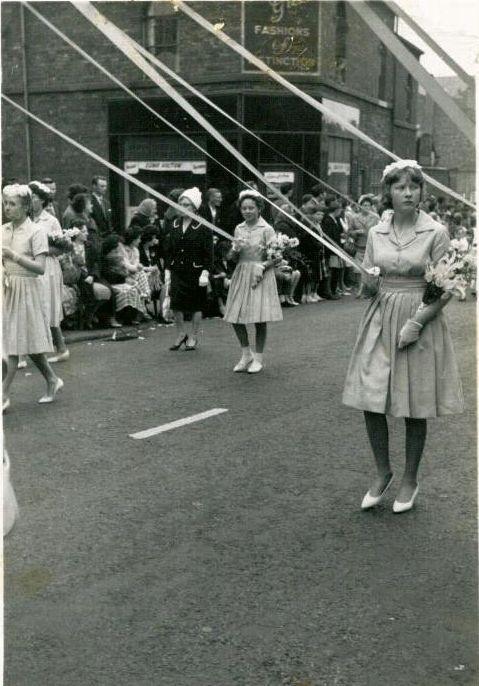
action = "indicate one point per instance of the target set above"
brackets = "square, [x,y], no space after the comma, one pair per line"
[453,273]
[276,247]
[60,244]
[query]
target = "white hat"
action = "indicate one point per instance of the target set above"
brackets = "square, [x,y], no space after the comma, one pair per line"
[193,195]
[249,192]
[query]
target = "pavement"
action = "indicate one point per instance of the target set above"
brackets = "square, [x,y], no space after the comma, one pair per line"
[233,551]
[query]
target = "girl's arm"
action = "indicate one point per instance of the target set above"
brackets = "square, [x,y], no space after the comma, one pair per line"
[35,265]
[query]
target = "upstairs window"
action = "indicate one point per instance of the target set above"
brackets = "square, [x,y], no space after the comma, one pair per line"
[341,39]
[383,60]
[409,98]
[162,34]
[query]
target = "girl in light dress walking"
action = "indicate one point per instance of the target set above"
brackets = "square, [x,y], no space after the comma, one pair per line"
[26,329]
[403,363]
[253,295]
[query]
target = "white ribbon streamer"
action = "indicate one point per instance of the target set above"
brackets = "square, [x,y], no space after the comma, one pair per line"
[124,44]
[120,172]
[259,64]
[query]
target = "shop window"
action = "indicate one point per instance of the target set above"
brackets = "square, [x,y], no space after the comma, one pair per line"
[162,34]
[341,40]
[383,60]
[409,98]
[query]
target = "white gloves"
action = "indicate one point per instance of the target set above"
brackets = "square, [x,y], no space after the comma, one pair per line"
[204,278]
[409,333]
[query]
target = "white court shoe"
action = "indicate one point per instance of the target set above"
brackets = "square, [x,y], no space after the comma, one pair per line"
[372,500]
[61,357]
[50,398]
[399,507]
[243,365]
[255,367]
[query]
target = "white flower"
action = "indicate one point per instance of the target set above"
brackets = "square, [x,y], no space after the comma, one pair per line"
[460,244]
[374,271]
[397,166]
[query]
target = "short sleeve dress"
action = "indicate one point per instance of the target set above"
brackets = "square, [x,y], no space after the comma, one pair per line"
[245,304]
[26,329]
[421,380]
[52,279]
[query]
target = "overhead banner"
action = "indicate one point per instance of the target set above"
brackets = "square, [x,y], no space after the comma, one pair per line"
[166,166]
[284,34]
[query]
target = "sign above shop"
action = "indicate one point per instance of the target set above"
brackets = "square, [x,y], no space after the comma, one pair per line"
[194,167]
[339,168]
[284,34]
[279,176]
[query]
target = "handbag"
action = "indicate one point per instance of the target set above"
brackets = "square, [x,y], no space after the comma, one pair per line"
[10,505]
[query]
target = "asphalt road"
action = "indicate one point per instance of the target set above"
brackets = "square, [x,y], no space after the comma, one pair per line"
[233,551]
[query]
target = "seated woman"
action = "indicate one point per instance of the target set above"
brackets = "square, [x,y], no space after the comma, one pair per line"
[82,291]
[129,244]
[115,269]
[222,272]
[145,214]
[149,258]
[287,281]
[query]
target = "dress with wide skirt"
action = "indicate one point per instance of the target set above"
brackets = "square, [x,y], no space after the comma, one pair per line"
[247,304]
[421,380]
[52,279]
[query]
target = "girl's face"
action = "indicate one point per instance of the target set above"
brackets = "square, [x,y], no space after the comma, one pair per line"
[88,207]
[318,217]
[136,242]
[184,202]
[14,208]
[405,193]
[37,204]
[249,210]
[366,207]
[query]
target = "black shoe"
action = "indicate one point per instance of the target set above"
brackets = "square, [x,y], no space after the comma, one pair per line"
[177,346]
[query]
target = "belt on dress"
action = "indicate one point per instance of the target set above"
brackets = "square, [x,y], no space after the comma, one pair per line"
[400,283]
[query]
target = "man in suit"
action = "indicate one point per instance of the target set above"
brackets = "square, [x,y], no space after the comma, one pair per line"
[211,209]
[101,211]
[52,206]
[333,229]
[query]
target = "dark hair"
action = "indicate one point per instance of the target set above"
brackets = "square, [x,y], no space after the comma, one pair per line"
[79,202]
[286,187]
[96,178]
[44,196]
[75,189]
[148,233]
[77,224]
[331,200]
[131,234]
[317,190]
[306,198]
[110,243]
[258,201]
[47,179]
[175,193]
[211,191]
[394,176]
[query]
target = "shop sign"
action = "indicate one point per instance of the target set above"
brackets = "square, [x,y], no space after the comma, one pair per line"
[339,168]
[284,34]
[194,167]
[279,177]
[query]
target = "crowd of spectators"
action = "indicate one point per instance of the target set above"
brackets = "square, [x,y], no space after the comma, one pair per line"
[113,277]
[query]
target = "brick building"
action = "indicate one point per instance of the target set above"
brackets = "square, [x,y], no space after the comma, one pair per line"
[343,64]
[446,152]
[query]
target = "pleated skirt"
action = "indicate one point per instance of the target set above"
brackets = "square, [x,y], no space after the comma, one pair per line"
[26,329]
[421,380]
[52,282]
[248,305]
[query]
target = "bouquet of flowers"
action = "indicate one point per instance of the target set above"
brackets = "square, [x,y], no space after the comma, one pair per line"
[453,273]
[277,245]
[60,244]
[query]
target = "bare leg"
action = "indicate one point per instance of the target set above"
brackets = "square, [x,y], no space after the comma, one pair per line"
[378,434]
[9,375]
[416,431]
[196,319]
[246,355]
[180,326]
[261,331]
[41,363]
[58,340]
[242,335]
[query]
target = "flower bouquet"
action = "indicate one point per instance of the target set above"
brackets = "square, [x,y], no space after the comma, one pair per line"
[277,245]
[59,244]
[452,274]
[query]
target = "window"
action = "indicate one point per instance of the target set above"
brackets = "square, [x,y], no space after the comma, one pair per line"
[383,61]
[341,39]
[162,33]
[409,97]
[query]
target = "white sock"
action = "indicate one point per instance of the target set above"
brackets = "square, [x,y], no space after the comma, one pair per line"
[246,354]
[259,357]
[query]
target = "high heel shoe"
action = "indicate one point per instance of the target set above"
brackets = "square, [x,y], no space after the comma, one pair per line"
[6,405]
[60,357]
[191,347]
[50,398]
[178,345]
[399,507]
[372,500]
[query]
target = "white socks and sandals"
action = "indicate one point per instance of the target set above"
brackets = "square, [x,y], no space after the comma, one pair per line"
[250,362]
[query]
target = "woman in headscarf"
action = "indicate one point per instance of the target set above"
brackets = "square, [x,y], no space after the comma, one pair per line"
[189,261]
[26,329]
[146,213]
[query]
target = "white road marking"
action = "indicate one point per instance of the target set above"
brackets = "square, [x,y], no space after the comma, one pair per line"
[179,422]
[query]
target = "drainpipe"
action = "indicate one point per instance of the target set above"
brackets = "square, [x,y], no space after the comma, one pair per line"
[25,92]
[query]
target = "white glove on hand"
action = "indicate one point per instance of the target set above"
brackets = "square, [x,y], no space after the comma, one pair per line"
[204,278]
[409,333]
[167,277]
